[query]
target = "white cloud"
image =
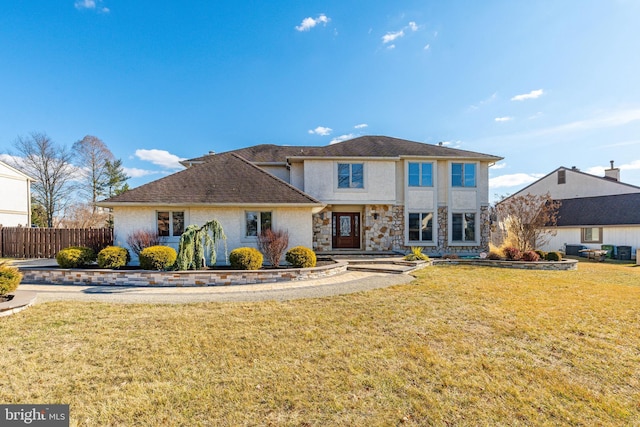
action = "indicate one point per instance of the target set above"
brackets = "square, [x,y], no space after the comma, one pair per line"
[486,101]
[391,46]
[138,173]
[612,119]
[160,157]
[499,166]
[503,119]
[389,37]
[599,170]
[413,26]
[90,4]
[342,138]
[513,180]
[531,95]
[427,46]
[320,130]
[361,126]
[308,23]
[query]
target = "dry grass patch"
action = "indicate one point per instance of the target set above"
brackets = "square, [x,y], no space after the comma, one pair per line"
[462,346]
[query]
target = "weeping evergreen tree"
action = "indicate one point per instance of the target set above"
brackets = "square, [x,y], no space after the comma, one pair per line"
[194,243]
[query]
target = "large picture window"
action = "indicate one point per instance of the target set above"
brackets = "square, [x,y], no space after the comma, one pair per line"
[463,175]
[256,222]
[421,227]
[170,223]
[350,175]
[463,227]
[420,174]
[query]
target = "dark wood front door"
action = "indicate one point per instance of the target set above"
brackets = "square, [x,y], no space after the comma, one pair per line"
[346,230]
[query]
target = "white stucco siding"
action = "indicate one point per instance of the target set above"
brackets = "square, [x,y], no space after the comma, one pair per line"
[618,236]
[321,182]
[280,171]
[15,201]
[297,221]
[420,200]
[464,200]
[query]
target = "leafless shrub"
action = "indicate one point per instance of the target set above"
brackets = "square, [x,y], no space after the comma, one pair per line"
[273,244]
[140,239]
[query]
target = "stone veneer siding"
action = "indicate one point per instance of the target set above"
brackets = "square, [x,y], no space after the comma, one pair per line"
[65,276]
[383,234]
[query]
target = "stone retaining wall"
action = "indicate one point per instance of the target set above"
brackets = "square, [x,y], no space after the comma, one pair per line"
[564,265]
[101,277]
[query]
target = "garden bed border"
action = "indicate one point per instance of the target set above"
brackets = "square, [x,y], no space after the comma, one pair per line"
[564,265]
[105,277]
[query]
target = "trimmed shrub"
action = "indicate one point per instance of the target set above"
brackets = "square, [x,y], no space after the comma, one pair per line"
[416,254]
[75,256]
[245,259]
[157,258]
[301,257]
[512,254]
[493,255]
[10,278]
[530,256]
[541,254]
[113,257]
[554,256]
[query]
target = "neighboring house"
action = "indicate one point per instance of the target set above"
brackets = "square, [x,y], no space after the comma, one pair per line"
[594,211]
[15,203]
[372,193]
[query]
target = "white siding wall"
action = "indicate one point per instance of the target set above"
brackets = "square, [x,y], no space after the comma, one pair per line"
[321,182]
[298,221]
[618,236]
[14,200]
[577,185]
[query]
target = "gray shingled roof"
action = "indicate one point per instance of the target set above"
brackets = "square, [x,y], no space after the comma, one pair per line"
[621,209]
[364,146]
[223,179]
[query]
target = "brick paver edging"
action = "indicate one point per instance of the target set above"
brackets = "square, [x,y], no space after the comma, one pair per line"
[70,276]
[564,265]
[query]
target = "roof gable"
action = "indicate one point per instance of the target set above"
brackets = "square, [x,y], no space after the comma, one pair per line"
[223,179]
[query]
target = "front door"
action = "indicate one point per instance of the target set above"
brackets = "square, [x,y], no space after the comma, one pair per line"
[346,230]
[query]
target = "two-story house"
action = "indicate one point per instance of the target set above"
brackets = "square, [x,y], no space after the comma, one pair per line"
[372,193]
[15,203]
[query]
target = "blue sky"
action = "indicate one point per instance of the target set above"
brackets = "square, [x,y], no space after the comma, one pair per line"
[541,83]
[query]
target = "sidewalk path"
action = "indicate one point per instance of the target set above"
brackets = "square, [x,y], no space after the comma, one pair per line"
[345,283]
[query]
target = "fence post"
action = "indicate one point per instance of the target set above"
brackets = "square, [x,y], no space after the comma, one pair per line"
[1,248]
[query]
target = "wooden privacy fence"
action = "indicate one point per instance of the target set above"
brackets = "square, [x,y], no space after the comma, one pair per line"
[23,242]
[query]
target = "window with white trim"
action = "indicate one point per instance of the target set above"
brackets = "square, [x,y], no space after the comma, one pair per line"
[170,223]
[421,227]
[463,174]
[463,227]
[420,174]
[256,222]
[350,175]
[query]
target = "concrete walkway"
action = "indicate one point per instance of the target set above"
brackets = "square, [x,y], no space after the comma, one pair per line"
[345,283]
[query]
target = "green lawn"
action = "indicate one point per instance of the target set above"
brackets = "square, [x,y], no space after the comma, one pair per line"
[459,346]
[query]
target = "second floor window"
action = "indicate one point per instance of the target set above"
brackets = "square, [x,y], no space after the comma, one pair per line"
[350,175]
[463,175]
[420,174]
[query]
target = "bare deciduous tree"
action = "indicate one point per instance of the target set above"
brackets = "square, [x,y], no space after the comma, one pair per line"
[82,215]
[527,222]
[94,158]
[51,167]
